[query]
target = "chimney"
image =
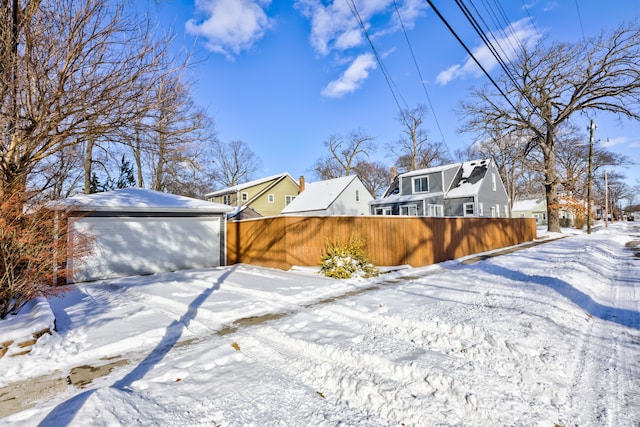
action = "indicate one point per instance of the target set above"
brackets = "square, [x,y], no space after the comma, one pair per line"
[301,185]
[393,172]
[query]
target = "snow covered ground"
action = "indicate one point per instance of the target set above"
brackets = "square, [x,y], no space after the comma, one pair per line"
[543,336]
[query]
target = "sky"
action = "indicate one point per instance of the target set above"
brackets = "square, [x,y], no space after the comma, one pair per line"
[546,335]
[283,76]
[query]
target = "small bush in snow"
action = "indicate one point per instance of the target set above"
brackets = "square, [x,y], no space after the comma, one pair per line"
[344,260]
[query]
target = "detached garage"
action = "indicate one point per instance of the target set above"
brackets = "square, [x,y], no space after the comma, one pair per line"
[139,231]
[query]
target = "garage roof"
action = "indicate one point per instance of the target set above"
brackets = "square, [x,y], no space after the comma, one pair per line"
[141,200]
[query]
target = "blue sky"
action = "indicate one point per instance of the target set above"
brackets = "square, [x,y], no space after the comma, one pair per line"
[283,76]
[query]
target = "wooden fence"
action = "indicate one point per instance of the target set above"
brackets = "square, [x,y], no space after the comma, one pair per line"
[282,242]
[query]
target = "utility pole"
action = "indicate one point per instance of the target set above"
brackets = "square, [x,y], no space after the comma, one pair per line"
[591,128]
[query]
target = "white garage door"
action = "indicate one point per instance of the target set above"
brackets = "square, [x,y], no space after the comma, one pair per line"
[126,246]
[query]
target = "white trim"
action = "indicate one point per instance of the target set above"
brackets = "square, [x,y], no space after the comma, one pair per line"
[473,209]
[382,211]
[412,210]
[435,210]
[271,198]
[417,179]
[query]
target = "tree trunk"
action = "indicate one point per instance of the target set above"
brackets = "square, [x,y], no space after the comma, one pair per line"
[551,183]
[88,163]
[137,154]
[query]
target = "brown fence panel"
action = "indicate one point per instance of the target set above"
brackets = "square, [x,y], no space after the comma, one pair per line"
[281,242]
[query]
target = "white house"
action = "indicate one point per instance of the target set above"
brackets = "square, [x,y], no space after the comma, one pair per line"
[344,196]
[139,231]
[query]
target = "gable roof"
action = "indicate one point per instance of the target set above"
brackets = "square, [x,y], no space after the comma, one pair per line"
[430,170]
[319,195]
[469,178]
[140,200]
[249,184]
[528,205]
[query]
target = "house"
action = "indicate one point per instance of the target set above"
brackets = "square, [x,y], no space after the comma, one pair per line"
[471,188]
[536,207]
[138,231]
[265,196]
[333,197]
[531,207]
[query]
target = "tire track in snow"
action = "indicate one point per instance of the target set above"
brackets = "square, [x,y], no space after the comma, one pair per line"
[607,347]
[523,371]
[405,392]
[462,341]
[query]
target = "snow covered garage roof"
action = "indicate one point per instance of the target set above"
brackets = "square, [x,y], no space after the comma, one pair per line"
[141,200]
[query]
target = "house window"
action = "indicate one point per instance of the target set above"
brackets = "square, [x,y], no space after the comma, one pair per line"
[244,196]
[497,210]
[493,181]
[288,199]
[409,210]
[468,209]
[480,209]
[506,210]
[382,211]
[435,210]
[271,198]
[357,195]
[493,212]
[226,199]
[421,184]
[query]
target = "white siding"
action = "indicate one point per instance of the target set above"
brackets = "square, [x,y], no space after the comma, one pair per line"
[127,246]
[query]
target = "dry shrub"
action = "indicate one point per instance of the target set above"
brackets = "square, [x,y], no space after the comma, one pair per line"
[34,245]
[344,260]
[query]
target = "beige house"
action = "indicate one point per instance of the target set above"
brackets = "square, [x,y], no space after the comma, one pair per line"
[266,196]
[535,207]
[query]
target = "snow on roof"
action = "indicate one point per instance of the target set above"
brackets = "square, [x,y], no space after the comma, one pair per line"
[397,198]
[430,170]
[469,179]
[525,205]
[140,199]
[249,184]
[319,195]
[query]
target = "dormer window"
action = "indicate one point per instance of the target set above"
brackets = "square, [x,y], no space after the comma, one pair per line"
[421,184]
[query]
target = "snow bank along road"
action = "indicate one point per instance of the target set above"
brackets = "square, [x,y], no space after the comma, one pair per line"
[547,336]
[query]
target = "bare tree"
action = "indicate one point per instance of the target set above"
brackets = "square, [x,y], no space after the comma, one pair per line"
[374,176]
[548,85]
[413,150]
[233,163]
[70,72]
[175,128]
[344,154]
[572,157]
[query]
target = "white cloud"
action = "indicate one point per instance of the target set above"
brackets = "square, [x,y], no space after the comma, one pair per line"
[611,142]
[519,33]
[335,28]
[352,78]
[230,26]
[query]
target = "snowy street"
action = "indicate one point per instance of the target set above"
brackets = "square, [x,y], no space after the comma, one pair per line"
[547,335]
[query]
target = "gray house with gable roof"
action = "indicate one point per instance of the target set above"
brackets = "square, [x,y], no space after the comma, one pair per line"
[471,188]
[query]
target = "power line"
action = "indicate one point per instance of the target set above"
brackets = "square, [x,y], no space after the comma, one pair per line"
[580,20]
[356,14]
[462,43]
[424,87]
[501,62]
[486,73]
